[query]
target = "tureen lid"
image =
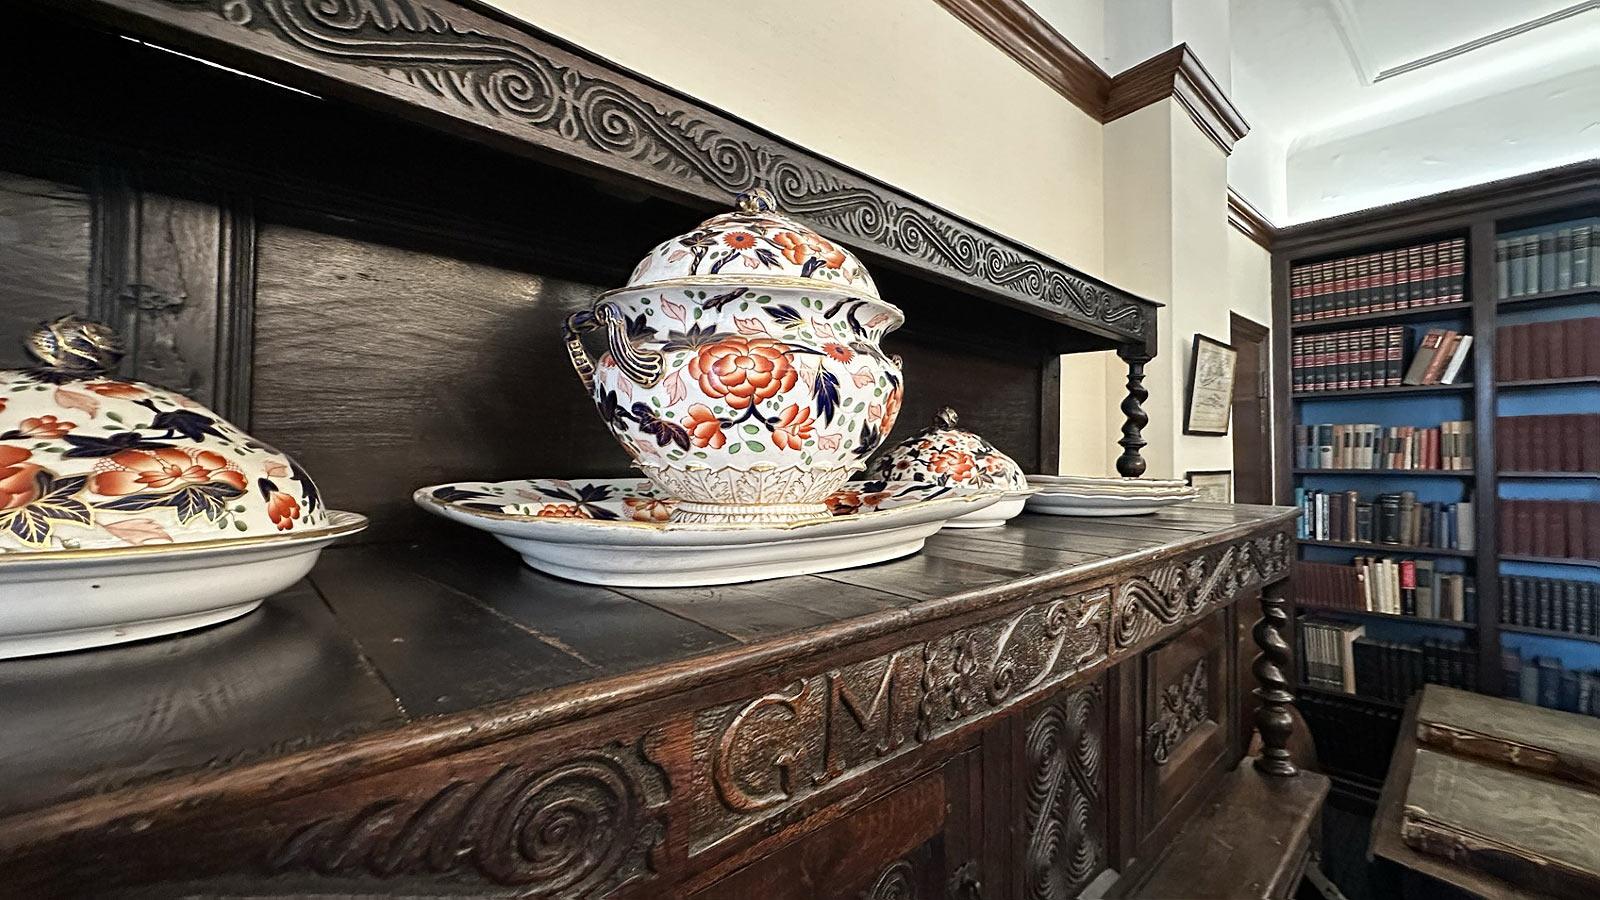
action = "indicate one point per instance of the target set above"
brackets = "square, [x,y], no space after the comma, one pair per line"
[947,455]
[88,461]
[755,244]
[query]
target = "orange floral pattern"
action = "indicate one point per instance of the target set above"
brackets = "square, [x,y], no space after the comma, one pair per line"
[119,389]
[560,511]
[798,248]
[839,352]
[793,427]
[282,509]
[956,465]
[19,482]
[648,509]
[743,371]
[43,427]
[705,429]
[167,469]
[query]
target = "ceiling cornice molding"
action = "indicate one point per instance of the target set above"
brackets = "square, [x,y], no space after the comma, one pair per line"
[1037,46]
[1022,34]
[1178,73]
[1248,220]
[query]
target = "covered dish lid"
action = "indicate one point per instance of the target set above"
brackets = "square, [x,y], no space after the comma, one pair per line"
[752,246]
[88,462]
[946,455]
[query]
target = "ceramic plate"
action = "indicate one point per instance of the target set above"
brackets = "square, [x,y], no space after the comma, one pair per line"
[73,599]
[615,531]
[1064,504]
[1088,485]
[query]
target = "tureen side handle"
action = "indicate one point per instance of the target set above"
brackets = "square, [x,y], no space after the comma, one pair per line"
[641,364]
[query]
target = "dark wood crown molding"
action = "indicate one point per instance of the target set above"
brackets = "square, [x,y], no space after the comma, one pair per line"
[1249,220]
[1026,37]
[462,67]
[1178,73]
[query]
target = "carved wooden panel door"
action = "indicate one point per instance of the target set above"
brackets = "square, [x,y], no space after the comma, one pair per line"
[1059,804]
[918,841]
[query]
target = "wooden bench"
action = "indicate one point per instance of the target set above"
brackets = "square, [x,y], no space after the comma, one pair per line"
[1252,839]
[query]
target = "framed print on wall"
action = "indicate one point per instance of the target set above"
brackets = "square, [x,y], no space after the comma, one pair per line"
[1209,399]
[1214,485]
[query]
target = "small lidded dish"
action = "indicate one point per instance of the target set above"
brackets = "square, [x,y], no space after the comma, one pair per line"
[946,456]
[101,478]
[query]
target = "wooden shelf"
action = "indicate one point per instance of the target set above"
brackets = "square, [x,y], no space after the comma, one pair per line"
[1549,475]
[1396,389]
[1545,382]
[1416,620]
[1550,560]
[1360,698]
[1551,298]
[1390,548]
[1409,314]
[1458,473]
[1547,632]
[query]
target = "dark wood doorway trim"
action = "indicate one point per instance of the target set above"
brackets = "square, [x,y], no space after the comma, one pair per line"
[1252,410]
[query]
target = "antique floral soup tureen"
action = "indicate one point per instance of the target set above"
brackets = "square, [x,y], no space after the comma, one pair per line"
[127,511]
[743,371]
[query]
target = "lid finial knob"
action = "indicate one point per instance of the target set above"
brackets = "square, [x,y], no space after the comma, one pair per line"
[756,200]
[945,417]
[74,345]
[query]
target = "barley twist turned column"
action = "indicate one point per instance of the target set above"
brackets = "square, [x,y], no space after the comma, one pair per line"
[1272,717]
[1130,464]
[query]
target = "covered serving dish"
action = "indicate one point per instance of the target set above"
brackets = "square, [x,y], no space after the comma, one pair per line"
[742,369]
[128,511]
[950,457]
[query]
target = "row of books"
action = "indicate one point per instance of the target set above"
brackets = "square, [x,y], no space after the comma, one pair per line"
[1546,681]
[1558,529]
[1338,656]
[1419,275]
[1554,604]
[1343,360]
[1564,348]
[1360,445]
[1550,443]
[1557,258]
[1398,587]
[1395,519]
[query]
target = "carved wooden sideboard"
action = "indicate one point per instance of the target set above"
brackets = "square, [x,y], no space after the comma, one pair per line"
[1008,714]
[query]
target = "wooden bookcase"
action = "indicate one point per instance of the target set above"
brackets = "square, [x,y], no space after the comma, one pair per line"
[1479,215]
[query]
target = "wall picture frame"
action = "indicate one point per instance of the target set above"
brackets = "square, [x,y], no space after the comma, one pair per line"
[1214,485]
[1208,401]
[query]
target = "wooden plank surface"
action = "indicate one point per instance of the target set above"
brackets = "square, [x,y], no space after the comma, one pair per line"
[1251,839]
[280,679]
[403,632]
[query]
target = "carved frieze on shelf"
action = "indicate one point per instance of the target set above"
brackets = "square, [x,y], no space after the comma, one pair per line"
[754,757]
[581,827]
[445,57]
[1185,590]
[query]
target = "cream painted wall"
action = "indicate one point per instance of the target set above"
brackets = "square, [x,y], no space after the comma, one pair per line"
[904,91]
[899,89]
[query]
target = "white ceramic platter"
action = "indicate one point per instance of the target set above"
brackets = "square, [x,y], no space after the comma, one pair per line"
[1088,485]
[1064,504]
[74,599]
[614,531]
[1008,507]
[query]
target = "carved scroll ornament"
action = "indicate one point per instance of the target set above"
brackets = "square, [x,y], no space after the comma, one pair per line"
[1184,705]
[452,59]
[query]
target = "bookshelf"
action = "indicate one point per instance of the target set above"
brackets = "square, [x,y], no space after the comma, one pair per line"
[1481,217]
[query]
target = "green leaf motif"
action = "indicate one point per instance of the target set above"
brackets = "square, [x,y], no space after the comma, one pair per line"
[755,446]
[752,428]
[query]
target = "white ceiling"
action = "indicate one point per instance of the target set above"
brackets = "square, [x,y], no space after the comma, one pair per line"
[1355,103]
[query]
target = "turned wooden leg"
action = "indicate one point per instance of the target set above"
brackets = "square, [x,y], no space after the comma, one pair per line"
[1272,717]
[1130,464]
